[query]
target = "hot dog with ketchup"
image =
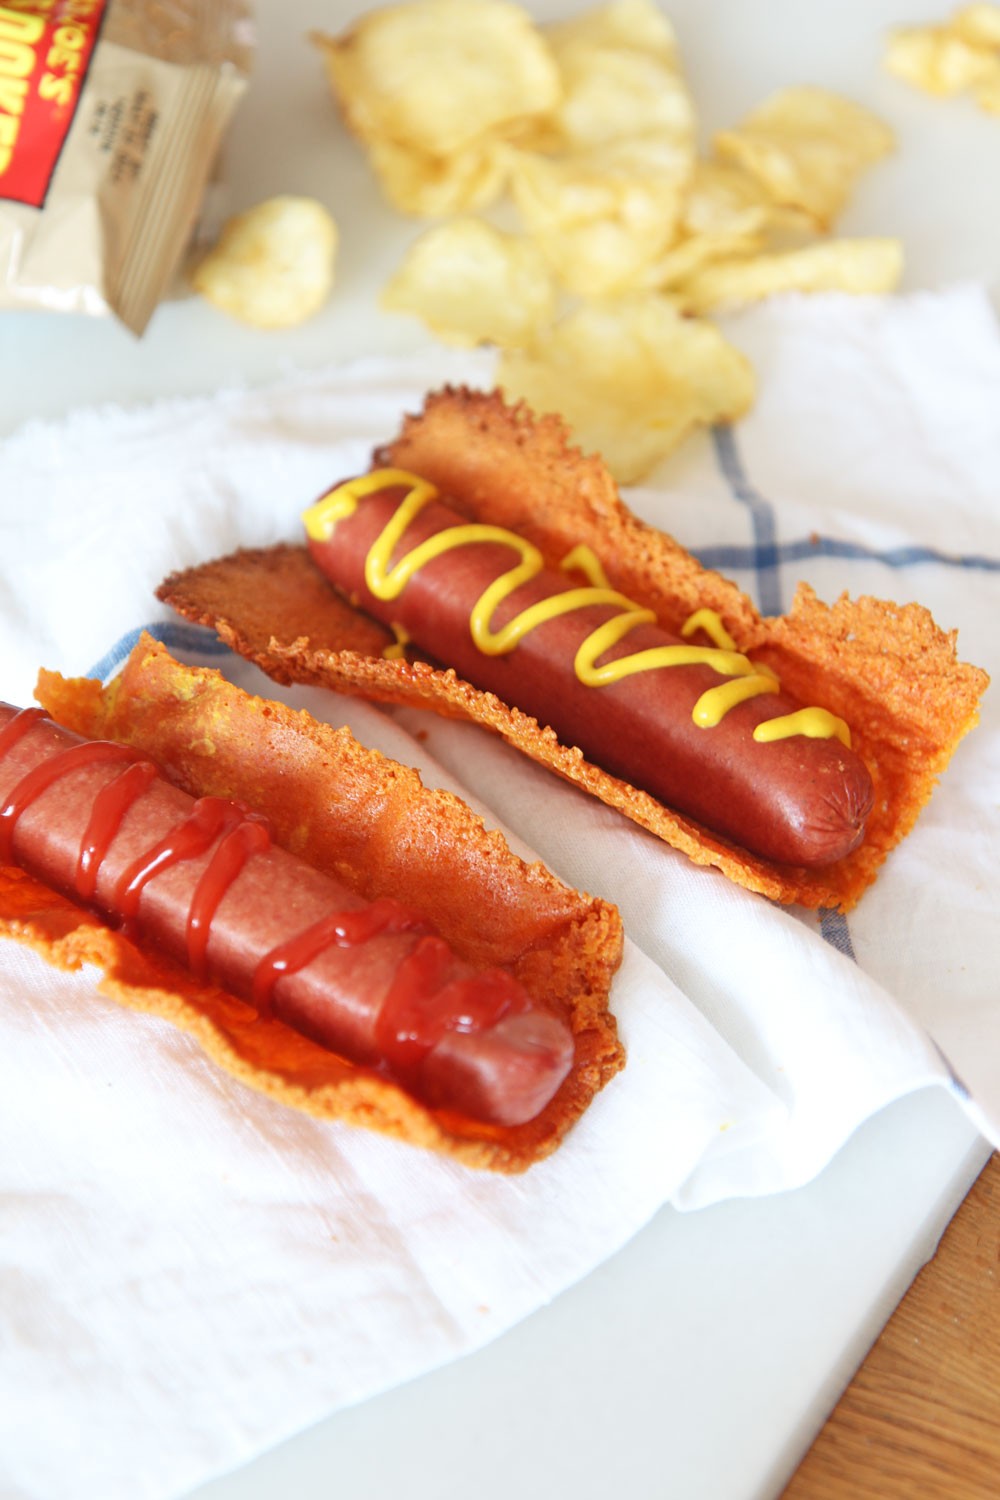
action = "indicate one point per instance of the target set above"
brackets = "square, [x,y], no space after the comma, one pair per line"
[697,725]
[202,881]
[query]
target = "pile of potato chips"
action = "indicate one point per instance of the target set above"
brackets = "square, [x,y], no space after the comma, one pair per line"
[626,236]
[961,56]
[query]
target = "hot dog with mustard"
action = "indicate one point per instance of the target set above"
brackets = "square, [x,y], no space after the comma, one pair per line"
[689,718]
[881,673]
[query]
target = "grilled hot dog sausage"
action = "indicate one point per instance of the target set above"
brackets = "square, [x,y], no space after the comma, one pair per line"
[202,880]
[696,725]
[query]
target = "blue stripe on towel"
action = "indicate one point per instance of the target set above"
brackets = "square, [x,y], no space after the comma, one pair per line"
[766,554]
[769,556]
[763,556]
[959,1088]
[834,928]
[176,634]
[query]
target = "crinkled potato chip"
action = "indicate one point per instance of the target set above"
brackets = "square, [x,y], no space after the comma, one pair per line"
[431,187]
[620,77]
[691,252]
[979,24]
[438,75]
[862,266]
[632,377]
[963,55]
[601,217]
[807,147]
[937,61]
[725,215]
[616,95]
[272,266]
[723,200]
[638,25]
[473,284]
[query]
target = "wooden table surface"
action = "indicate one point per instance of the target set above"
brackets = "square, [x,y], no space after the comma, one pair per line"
[921,1418]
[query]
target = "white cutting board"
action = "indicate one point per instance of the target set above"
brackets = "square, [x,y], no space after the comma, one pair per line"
[700,1361]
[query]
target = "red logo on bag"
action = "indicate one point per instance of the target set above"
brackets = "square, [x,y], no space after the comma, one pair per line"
[45,50]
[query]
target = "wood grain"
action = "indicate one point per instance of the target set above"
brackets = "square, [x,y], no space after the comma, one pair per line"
[921,1417]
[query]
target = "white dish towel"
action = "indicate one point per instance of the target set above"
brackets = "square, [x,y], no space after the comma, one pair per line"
[190,1272]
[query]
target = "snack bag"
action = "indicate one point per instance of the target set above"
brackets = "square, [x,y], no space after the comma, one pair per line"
[111,113]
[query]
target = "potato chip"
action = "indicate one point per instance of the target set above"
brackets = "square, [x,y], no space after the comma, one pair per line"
[620,77]
[272,266]
[725,215]
[937,61]
[722,200]
[601,217]
[807,147]
[978,24]
[637,25]
[691,252]
[848,265]
[473,284]
[632,377]
[963,55]
[438,75]
[432,187]
[614,94]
